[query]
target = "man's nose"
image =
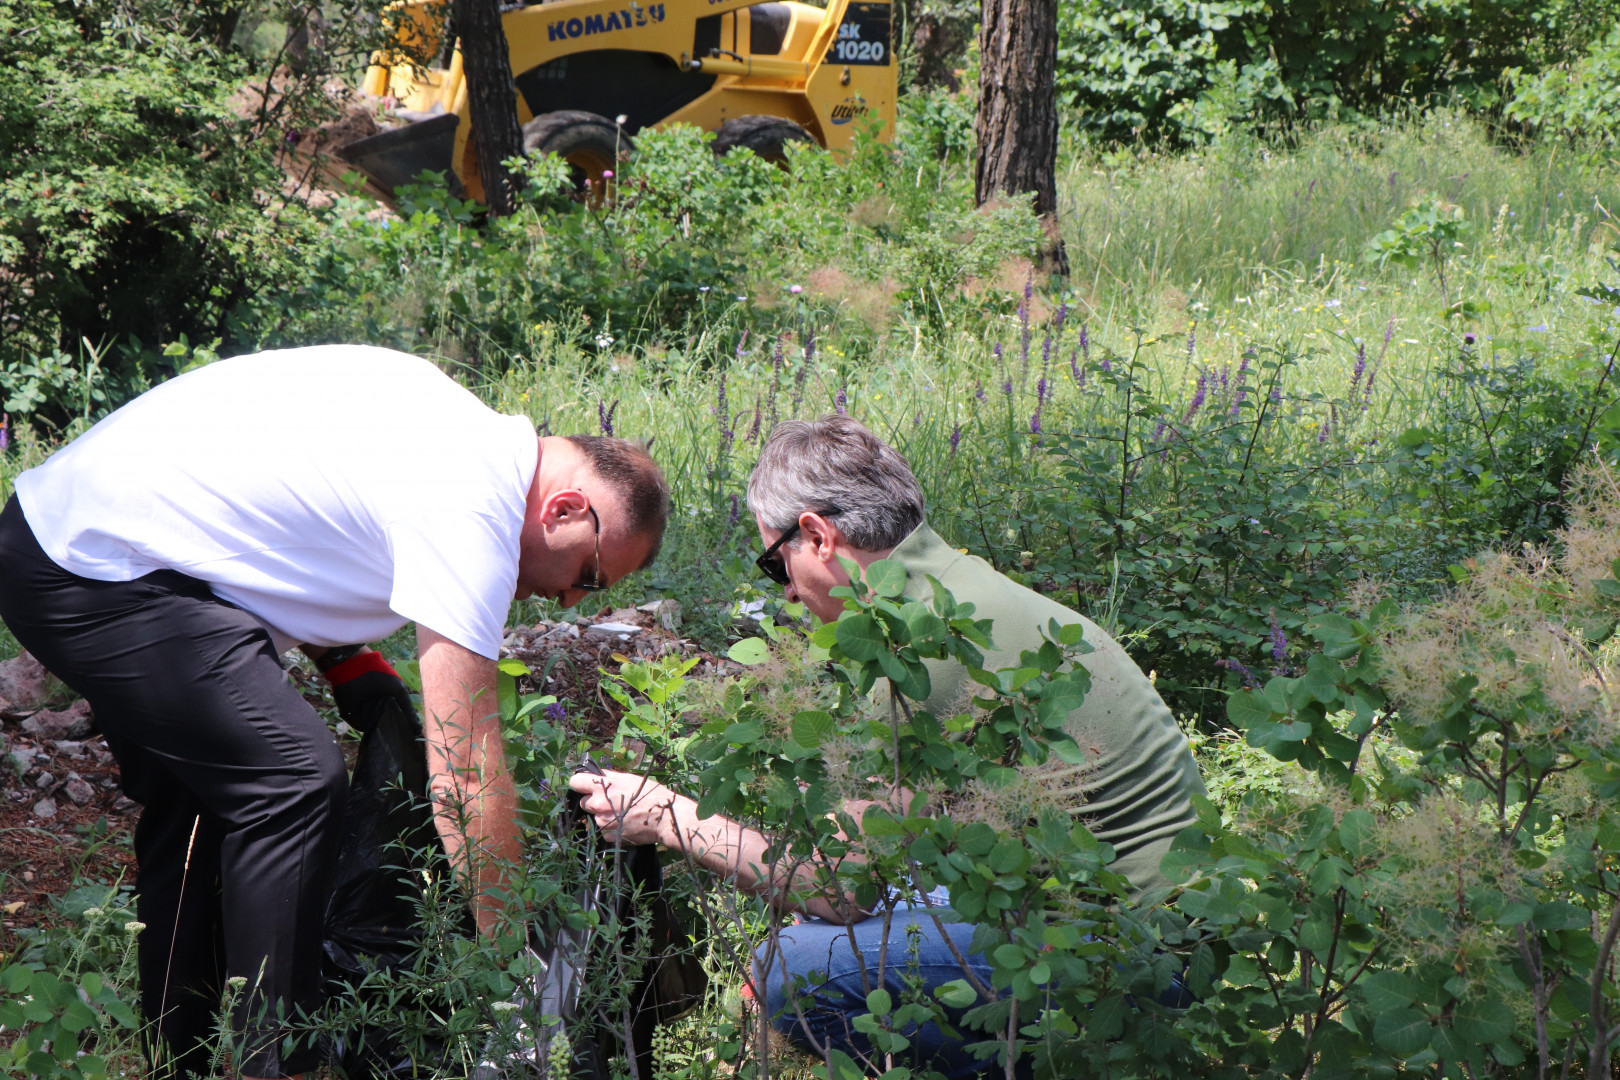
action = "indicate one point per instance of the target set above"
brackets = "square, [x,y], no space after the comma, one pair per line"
[791,591]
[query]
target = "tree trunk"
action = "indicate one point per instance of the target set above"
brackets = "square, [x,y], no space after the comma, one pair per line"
[491,98]
[1017,125]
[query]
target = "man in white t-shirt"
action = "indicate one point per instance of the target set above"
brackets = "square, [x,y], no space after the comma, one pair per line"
[160,564]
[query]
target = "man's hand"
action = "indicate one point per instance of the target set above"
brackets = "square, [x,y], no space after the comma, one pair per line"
[475,804]
[632,809]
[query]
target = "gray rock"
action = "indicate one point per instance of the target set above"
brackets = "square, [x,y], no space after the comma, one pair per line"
[44,780]
[124,804]
[72,722]
[25,685]
[77,789]
[45,808]
[667,612]
[70,748]
[21,759]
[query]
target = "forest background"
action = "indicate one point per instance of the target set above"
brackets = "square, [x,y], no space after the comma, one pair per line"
[1339,324]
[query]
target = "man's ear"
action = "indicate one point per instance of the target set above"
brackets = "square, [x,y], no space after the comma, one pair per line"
[564,507]
[820,535]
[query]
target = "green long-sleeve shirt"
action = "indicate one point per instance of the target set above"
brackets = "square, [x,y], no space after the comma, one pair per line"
[1135,789]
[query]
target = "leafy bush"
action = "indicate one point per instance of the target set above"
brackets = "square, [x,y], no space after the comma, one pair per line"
[1184,70]
[141,202]
[1579,98]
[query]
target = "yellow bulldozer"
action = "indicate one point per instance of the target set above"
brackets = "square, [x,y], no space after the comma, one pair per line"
[591,74]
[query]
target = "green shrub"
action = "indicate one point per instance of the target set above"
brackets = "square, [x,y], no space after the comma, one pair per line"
[1579,98]
[1183,70]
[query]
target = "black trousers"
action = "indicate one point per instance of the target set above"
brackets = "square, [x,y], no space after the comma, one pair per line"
[241,786]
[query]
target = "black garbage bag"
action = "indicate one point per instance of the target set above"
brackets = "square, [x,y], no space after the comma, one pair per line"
[626,886]
[388,847]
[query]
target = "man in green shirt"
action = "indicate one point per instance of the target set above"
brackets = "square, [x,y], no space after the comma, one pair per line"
[830,489]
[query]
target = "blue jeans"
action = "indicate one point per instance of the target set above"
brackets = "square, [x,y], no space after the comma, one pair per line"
[822,958]
[814,950]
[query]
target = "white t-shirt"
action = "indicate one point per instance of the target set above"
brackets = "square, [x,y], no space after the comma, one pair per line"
[335,493]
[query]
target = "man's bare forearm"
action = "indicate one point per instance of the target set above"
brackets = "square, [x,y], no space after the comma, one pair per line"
[474,800]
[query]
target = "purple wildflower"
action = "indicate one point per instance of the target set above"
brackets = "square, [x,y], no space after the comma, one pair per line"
[5,431]
[841,400]
[1198,396]
[1470,339]
[1361,368]
[1035,421]
[1062,314]
[1192,341]
[1158,432]
[979,393]
[1085,343]
[604,416]
[742,343]
[1075,370]
[736,513]
[556,712]
[1279,642]
[722,412]
[1106,366]
[956,438]
[1040,389]
[1241,670]
[1024,330]
[753,432]
[1006,388]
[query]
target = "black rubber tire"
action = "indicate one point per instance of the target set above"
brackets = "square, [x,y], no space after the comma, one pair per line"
[766,136]
[591,145]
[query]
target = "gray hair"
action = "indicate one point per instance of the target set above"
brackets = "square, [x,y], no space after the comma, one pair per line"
[836,464]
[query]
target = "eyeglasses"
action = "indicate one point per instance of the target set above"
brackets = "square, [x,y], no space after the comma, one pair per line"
[772,564]
[595,584]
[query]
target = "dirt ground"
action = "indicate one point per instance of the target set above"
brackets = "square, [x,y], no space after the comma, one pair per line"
[64,822]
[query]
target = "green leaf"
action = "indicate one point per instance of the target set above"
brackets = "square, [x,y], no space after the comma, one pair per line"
[1245,708]
[887,577]
[1403,1032]
[915,684]
[928,631]
[1485,1021]
[512,667]
[956,994]
[879,1003]
[1356,832]
[744,731]
[860,636]
[750,651]
[1388,990]
[810,728]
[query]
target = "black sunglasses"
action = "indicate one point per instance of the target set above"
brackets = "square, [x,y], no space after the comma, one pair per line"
[595,584]
[771,564]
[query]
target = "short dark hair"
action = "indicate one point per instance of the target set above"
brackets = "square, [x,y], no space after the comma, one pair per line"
[836,463]
[631,473]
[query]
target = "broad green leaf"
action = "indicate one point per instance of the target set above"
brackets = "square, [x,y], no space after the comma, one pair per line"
[860,637]
[811,728]
[750,651]
[1246,708]
[928,631]
[513,667]
[1356,832]
[887,577]
[1484,1021]
[1403,1032]
[879,1003]
[744,731]
[1387,990]
[956,994]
